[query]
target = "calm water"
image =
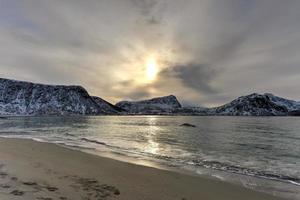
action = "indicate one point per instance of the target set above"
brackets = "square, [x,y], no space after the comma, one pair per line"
[265,147]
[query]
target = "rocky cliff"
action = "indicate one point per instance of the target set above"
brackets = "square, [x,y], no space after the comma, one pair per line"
[25,98]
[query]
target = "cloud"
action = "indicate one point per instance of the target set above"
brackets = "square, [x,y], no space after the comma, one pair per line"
[150,10]
[195,76]
[209,51]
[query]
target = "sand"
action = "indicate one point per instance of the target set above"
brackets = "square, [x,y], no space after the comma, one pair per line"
[32,170]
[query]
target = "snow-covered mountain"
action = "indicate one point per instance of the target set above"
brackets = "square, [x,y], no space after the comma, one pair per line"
[159,105]
[188,110]
[250,105]
[291,105]
[25,98]
[107,107]
[257,105]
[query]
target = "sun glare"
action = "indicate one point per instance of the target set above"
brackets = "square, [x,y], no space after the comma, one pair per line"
[151,70]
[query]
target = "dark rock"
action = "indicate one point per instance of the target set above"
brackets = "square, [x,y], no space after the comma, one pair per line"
[188,125]
[294,113]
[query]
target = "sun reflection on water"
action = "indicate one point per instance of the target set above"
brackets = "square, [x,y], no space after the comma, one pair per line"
[152,145]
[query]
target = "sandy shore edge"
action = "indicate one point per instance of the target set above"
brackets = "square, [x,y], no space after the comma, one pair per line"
[32,170]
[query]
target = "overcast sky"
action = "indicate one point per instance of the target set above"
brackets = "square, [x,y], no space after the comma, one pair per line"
[206,52]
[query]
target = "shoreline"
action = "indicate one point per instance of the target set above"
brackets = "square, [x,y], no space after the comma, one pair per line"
[34,170]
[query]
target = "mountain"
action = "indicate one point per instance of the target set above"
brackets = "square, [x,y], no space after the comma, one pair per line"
[159,105]
[106,106]
[291,105]
[249,105]
[258,105]
[190,111]
[25,98]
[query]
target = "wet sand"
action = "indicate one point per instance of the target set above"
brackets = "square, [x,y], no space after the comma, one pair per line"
[32,170]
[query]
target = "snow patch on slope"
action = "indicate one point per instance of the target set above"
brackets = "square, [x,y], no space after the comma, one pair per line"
[159,105]
[25,98]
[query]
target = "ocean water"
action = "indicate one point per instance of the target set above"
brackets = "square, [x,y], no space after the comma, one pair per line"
[262,153]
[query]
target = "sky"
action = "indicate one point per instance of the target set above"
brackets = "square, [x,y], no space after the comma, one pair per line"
[206,52]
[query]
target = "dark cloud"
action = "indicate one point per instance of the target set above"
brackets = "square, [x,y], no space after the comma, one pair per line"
[195,76]
[132,92]
[150,11]
[138,95]
[146,6]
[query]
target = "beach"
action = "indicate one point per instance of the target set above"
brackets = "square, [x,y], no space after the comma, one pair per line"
[34,170]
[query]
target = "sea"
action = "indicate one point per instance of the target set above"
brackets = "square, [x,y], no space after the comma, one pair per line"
[261,153]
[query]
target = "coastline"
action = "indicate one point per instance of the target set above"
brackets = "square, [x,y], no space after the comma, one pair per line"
[34,170]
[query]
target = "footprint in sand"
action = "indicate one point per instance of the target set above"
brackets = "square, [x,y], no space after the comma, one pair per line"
[17,192]
[90,187]
[13,186]
[51,189]
[3,174]
[4,186]
[94,190]
[30,183]
[44,198]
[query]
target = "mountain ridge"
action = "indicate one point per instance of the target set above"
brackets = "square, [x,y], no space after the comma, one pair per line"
[34,99]
[26,99]
[256,104]
[157,105]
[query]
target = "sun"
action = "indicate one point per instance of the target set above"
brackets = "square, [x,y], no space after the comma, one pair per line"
[151,68]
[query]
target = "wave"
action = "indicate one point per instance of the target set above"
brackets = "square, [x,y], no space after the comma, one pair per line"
[93,141]
[215,165]
[246,171]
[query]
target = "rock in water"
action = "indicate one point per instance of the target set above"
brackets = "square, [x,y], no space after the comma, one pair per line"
[25,98]
[188,125]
